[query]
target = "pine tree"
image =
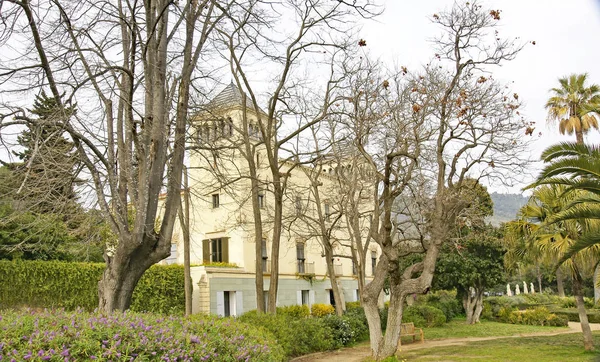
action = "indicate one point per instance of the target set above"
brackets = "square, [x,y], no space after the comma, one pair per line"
[49,162]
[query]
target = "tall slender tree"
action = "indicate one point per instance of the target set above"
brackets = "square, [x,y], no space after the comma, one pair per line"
[556,238]
[574,105]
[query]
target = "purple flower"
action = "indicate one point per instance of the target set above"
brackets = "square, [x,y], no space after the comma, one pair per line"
[65,352]
[194,339]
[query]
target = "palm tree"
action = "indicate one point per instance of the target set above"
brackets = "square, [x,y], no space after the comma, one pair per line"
[574,106]
[576,167]
[544,234]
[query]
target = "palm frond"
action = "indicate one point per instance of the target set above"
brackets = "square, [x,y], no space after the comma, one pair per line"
[585,241]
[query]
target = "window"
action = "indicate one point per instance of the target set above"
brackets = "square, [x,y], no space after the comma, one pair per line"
[261,200]
[327,212]
[215,250]
[226,304]
[300,257]
[215,201]
[331,297]
[373,261]
[265,256]
[305,297]
[229,303]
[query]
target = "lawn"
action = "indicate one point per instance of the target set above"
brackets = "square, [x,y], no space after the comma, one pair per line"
[457,328]
[564,348]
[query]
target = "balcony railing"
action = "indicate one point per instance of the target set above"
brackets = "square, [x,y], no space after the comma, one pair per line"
[306,268]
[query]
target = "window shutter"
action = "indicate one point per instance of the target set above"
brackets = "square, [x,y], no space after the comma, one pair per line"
[239,303]
[225,249]
[299,297]
[206,251]
[311,298]
[220,304]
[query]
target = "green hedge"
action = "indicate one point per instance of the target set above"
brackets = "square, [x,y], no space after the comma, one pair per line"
[573,315]
[55,284]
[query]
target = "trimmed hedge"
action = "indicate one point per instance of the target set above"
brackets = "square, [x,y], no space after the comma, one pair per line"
[539,316]
[299,333]
[55,284]
[57,335]
[297,336]
[573,315]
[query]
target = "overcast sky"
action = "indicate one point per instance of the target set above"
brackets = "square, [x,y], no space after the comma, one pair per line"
[566,34]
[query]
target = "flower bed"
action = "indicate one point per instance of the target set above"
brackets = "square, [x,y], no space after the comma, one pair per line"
[75,336]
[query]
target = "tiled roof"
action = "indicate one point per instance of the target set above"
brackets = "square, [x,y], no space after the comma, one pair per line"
[229,96]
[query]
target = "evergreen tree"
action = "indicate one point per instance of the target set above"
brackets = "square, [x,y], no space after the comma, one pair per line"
[50,164]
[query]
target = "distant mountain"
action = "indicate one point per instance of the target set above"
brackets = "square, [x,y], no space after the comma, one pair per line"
[506,207]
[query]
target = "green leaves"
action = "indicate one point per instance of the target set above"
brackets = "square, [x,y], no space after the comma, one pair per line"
[573,176]
[55,284]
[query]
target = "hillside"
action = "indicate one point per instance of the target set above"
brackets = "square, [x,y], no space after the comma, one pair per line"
[506,207]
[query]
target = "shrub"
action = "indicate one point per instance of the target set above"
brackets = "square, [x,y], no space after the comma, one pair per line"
[568,302]
[573,316]
[353,305]
[487,312]
[444,300]
[423,316]
[341,330]
[296,336]
[54,284]
[541,298]
[321,310]
[504,314]
[539,316]
[294,311]
[358,322]
[73,336]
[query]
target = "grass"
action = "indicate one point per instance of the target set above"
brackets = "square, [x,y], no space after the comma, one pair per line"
[457,328]
[564,348]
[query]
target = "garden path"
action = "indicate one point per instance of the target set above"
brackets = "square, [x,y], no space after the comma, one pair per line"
[361,352]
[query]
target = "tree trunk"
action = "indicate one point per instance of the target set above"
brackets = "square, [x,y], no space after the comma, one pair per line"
[579,136]
[596,286]
[369,299]
[588,341]
[391,339]
[277,228]
[187,285]
[335,288]
[478,306]
[539,279]
[469,305]
[118,282]
[559,283]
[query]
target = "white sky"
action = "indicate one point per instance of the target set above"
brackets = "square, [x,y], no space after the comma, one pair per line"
[566,35]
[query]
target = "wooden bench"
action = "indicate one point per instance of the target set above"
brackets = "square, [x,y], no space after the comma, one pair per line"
[408,329]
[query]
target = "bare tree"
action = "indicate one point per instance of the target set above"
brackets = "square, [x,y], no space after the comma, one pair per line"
[129,66]
[315,32]
[441,126]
